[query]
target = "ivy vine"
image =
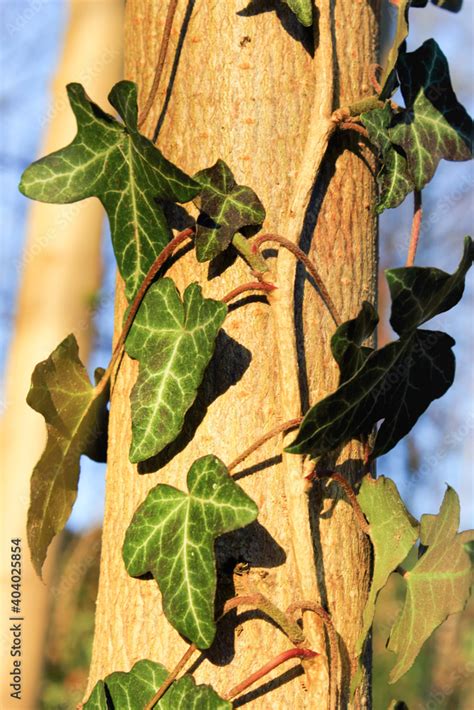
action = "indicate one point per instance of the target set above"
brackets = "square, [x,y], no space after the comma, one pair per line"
[173,336]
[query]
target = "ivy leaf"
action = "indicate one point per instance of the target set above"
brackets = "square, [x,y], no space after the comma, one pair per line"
[398,382]
[123,169]
[393,532]
[133,690]
[346,343]
[61,391]
[172,536]
[419,293]
[394,179]
[173,340]
[303,10]
[389,78]
[437,586]
[226,208]
[433,125]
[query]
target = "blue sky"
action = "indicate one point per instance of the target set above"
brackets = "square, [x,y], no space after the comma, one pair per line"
[31,41]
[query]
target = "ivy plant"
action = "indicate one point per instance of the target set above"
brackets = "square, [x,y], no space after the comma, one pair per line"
[172,335]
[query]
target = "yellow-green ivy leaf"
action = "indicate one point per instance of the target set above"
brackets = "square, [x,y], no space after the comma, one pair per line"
[173,340]
[130,176]
[172,536]
[75,418]
[303,10]
[393,532]
[226,208]
[436,587]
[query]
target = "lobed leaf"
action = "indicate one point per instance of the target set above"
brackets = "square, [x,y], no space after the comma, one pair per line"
[75,419]
[226,208]
[133,690]
[173,340]
[394,179]
[393,532]
[389,77]
[436,587]
[346,343]
[172,536]
[303,10]
[433,125]
[113,162]
[398,382]
[419,293]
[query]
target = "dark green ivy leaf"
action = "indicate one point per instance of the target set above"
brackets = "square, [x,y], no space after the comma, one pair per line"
[172,536]
[437,586]
[226,208]
[133,690]
[394,179]
[433,125]
[173,340]
[420,293]
[346,343]
[61,391]
[123,169]
[389,81]
[398,382]
[303,10]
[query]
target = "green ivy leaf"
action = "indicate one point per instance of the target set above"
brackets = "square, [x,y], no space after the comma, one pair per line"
[418,293]
[433,125]
[303,10]
[173,340]
[393,532]
[389,81]
[437,586]
[172,536]
[226,208]
[123,169]
[61,391]
[394,179]
[398,382]
[346,343]
[133,690]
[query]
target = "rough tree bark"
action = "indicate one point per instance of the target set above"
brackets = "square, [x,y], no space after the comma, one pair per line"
[61,270]
[246,88]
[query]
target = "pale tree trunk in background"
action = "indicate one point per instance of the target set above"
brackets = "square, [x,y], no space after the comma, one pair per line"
[61,272]
[243,91]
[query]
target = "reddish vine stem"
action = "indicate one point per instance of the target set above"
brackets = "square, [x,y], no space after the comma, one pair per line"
[171,677]
[160,62]
[251,286]
[263,439]
[352,126]
[258,601]
[145,285]
[303,653]
[415,227]
[301,256]
[351,496]
[333,643]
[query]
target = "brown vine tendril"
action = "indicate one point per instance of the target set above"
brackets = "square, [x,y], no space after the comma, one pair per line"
[301,256]
[259,442]
[171,677]
[146,283]
[252,286]
[333,643]
[353,126]
[302,653]
[415,227]
[159,62]
[351,496]
[260,602]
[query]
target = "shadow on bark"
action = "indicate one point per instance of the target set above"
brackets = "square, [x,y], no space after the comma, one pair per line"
[295,29]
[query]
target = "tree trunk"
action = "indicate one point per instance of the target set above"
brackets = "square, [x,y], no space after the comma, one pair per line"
[61,271]
[246,88]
